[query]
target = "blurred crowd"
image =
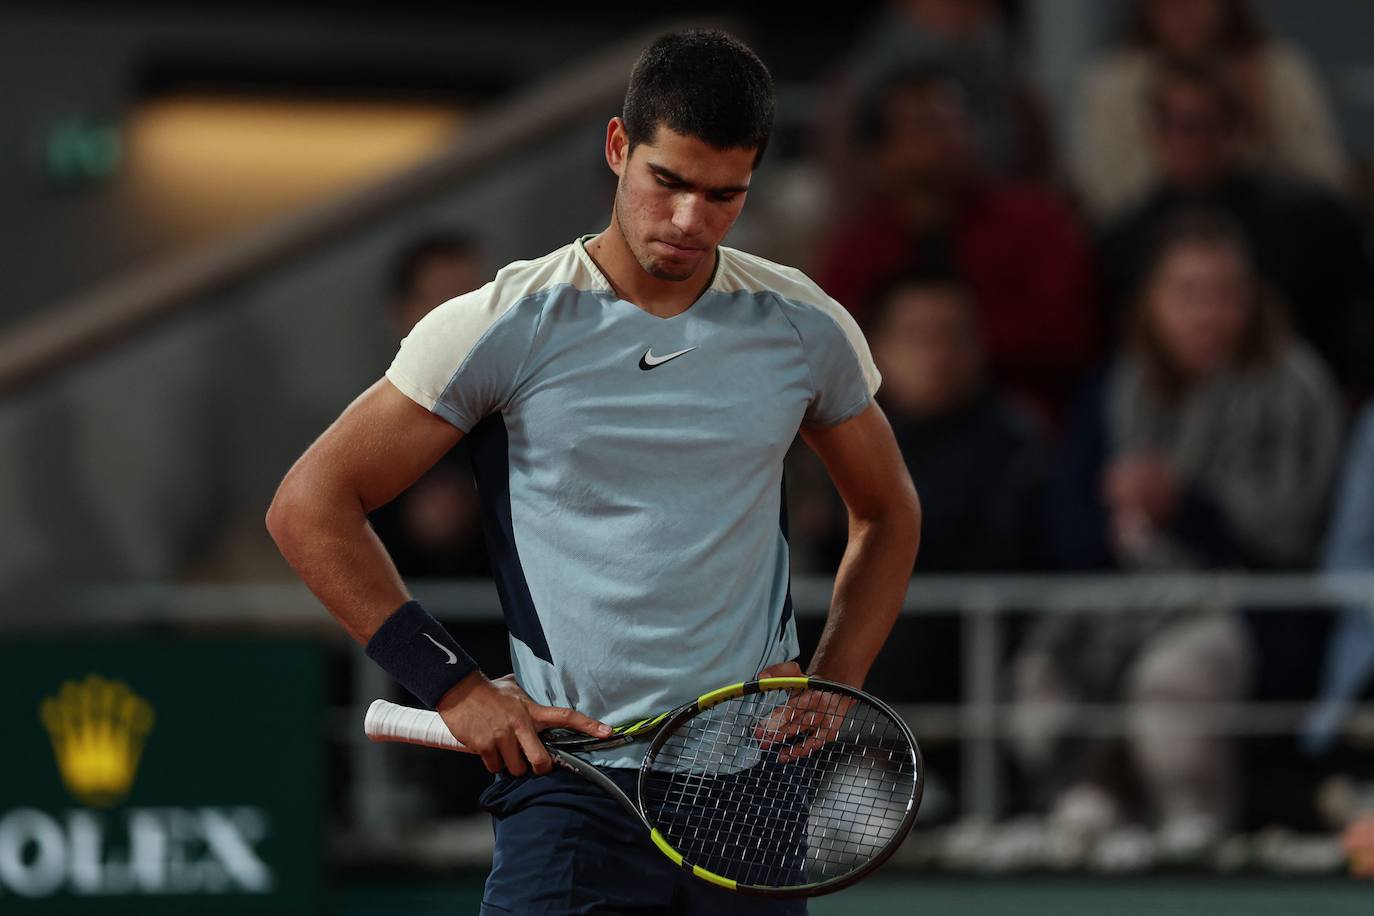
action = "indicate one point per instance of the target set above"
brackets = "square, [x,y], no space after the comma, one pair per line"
[1148,351]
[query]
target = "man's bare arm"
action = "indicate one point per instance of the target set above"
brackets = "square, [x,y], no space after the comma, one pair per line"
[863,460]
[378,447]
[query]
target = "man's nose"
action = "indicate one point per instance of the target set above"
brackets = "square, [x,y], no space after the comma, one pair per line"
[688,214]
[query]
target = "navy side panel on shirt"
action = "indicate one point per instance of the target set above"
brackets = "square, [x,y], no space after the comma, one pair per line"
[491,468]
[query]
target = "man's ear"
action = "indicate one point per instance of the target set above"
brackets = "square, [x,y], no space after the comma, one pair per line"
[617,145]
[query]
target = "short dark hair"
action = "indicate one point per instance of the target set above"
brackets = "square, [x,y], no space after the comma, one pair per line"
[405,266]
[937,276]
[701,83]
[870,125]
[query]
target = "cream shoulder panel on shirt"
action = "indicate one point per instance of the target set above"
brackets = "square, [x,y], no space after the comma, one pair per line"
[741,271]
[443,339]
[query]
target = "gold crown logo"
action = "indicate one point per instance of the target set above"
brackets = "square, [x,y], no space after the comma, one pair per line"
[97,729]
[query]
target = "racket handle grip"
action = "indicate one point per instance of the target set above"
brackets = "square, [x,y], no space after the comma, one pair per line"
[390,722]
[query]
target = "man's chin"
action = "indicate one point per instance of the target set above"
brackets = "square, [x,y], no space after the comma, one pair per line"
[663,272]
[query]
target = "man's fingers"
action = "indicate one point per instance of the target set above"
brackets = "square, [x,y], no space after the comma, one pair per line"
[819,715]
[790,750]
[562,717]
[511,754]
[534,751]
[491,759]
[789,718]
[782,669]
[799,751]
[777,726]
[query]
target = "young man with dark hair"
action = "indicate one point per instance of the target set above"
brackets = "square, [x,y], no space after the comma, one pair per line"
[628,399]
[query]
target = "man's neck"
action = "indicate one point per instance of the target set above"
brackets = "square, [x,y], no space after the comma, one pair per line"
[629,281]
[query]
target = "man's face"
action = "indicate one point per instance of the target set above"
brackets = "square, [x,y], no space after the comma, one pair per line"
[676,199]
[1194,139]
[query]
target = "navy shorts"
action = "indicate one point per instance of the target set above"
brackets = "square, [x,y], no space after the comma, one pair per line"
[563,846]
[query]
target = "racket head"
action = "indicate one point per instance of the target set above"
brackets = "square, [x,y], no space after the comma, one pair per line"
[782,787]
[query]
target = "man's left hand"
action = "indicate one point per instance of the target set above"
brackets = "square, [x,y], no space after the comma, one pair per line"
[782,669]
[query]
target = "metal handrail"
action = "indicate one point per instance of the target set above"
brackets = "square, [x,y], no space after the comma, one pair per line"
[91,322]
[981,720]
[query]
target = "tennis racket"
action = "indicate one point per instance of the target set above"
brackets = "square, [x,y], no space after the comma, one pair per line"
[780,787]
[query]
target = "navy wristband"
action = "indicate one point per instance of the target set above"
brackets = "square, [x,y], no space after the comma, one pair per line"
[418,652]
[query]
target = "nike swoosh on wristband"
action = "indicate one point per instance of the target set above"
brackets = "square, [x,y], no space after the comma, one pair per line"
[649,361]
[452,659]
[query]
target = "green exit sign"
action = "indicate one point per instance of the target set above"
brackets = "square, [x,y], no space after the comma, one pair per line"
[81,150]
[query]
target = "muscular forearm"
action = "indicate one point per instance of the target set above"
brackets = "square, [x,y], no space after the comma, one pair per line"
[326,539]
[869,589]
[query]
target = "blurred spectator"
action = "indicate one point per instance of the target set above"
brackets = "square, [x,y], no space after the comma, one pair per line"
[1306,243]
[1019,246]
[432,529]
[1214,435]
[1285,121]
[972,455]
[431,269]
[1210,442]
[966,38]
[1349,673]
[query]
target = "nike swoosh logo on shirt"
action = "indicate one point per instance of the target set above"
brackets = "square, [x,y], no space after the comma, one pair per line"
[649,361]
[452,659]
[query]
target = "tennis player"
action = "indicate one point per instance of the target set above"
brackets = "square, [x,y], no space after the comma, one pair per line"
[628,399]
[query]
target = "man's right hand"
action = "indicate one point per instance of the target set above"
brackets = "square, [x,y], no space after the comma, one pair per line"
[499,722]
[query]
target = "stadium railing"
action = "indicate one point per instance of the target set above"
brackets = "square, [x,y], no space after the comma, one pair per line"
[983,603]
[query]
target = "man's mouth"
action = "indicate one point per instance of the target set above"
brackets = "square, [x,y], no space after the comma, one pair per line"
[677,249]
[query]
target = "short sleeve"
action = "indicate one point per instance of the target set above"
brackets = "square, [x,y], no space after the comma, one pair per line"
[844,378]
[463,359]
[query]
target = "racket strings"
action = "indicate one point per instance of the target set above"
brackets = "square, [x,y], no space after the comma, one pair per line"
[827,794]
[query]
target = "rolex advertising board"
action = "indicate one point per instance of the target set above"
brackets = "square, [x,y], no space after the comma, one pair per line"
[161,776]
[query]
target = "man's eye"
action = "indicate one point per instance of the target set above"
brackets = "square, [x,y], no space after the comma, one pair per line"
[723,198]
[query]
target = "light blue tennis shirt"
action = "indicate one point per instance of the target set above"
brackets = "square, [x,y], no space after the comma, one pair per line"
[629,467]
